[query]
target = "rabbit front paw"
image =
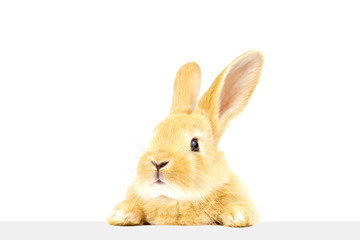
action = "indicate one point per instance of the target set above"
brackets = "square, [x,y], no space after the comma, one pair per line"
[238,215]
[125,216]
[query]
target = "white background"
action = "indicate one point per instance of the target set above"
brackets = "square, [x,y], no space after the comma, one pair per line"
[83,83]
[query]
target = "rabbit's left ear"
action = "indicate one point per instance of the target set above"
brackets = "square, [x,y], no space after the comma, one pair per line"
[231,91]
[186,89]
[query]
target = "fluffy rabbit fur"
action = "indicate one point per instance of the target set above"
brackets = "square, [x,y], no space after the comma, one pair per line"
[194,187]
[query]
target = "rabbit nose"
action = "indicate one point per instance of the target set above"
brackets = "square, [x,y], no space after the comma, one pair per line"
[159,165]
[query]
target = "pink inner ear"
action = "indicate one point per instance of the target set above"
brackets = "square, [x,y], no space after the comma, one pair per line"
[234,93]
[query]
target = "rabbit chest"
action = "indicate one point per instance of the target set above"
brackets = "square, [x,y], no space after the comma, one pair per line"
[164,211]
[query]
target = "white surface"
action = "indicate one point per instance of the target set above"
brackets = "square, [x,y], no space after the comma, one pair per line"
[82,84]
[99,230]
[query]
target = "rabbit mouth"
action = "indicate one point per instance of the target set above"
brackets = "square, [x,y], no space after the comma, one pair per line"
[158,178]
[159,182]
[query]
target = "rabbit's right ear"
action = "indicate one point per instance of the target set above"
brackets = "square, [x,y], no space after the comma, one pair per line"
[231,91]
[186,89]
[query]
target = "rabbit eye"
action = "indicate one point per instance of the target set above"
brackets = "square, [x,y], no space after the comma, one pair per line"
[194,145]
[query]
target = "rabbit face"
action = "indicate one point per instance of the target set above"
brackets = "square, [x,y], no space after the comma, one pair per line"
[173,167]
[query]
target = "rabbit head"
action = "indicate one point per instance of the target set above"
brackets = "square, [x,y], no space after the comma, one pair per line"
[182,160]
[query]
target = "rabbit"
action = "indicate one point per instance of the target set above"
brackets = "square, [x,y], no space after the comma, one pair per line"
[183,178]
